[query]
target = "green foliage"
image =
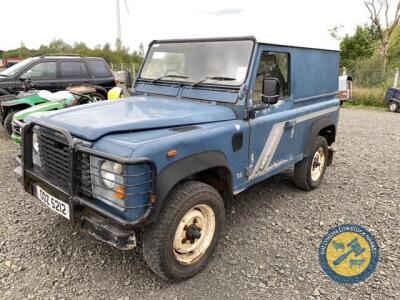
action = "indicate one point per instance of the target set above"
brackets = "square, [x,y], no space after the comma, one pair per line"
[367,96]
[361,55]
[361,45]
[58,46]
[394,48]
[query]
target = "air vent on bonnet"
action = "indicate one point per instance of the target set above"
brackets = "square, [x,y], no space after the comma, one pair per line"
[184,128]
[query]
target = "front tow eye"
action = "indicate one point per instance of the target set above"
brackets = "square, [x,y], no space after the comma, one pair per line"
[193,233]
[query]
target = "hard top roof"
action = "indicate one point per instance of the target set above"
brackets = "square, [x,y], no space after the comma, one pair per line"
[239,38]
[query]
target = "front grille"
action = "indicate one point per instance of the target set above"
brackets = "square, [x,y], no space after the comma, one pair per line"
[54,154]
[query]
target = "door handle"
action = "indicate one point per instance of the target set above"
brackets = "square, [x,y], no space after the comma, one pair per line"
[290,124]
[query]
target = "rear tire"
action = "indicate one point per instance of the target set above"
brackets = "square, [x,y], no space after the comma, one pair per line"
[180,243]
[97,96]
[8,122]
[308,173]
[394,106]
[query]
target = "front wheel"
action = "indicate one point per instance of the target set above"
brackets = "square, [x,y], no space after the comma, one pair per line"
[8,122]
[393,106]
[181,242]
[308,173]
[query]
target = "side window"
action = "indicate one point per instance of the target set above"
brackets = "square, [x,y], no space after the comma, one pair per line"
[73,70]
[99,68]
[42,71]
[272,65]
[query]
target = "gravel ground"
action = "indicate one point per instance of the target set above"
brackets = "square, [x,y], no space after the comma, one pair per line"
[269,247]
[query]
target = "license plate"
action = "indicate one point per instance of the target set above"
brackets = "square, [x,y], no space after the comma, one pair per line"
[53,203]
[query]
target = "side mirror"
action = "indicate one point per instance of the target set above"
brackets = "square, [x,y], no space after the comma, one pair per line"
[25,76]
[270,90]
[128,79]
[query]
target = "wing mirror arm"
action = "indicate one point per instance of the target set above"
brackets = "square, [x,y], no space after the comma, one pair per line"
[270,97]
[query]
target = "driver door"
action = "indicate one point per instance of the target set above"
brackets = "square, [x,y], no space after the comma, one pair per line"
[43,75]
[271,129]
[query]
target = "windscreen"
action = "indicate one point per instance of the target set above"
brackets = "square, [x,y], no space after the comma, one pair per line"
[11,71]
[217,62]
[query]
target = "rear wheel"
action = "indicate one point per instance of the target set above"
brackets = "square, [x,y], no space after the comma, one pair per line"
[8,122]
[97,97]
[308,173]
[181,242]
[394,106]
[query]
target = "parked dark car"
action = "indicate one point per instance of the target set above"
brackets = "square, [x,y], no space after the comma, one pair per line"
[56,73]
[392,99]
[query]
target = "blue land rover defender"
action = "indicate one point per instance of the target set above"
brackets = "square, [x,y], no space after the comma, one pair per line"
[206,117]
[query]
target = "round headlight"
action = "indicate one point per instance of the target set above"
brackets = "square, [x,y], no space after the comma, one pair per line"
[35,142]
[107,174]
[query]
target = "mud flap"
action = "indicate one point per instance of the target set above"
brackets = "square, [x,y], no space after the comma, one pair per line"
[331,151]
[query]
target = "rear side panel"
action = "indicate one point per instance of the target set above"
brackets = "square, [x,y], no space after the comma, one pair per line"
[281,133]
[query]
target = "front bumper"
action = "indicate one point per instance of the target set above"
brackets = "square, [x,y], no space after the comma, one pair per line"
[97,220]
[108,231]
[17,130]
[16,138]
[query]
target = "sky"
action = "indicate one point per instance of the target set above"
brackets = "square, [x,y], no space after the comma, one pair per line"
[289,22]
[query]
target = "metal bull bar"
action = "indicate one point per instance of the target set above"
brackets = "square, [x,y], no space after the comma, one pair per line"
[75,148]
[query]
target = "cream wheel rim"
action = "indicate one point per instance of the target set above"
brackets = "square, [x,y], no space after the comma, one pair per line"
[318,164]
[194,234]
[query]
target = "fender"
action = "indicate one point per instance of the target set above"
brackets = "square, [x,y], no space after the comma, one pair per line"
[174,173]
[314,130]
[17,102]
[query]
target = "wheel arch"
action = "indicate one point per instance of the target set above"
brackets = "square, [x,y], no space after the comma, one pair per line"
[8,108]
[325,127]
[210,167]
[100,90]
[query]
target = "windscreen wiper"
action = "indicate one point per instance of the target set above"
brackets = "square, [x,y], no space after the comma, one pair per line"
[3,75]
[219,78]
[167,76]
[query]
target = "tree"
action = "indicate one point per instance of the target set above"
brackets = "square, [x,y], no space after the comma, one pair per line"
[358,46]
[141,50]
[107,47]
[334,32]
[386,27]
[58,46]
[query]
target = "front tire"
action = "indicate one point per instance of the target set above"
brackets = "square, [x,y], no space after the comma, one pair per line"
[394,107]
[8,122]
[308,173]
[181,242]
